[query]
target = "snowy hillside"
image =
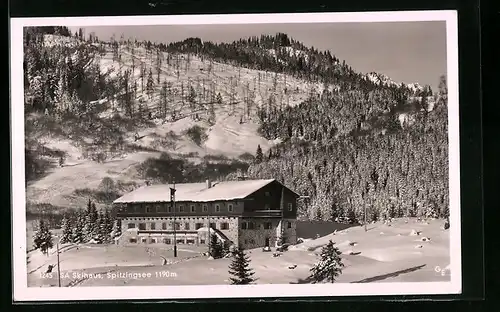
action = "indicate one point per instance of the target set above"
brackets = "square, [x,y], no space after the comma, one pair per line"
[233,132]
[190,107]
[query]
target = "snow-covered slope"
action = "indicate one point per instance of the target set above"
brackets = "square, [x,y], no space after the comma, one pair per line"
[234,132]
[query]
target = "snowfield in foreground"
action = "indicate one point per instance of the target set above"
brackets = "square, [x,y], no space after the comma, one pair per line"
[385,253]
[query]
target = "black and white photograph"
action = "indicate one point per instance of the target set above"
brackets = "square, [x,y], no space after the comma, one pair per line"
[282,155]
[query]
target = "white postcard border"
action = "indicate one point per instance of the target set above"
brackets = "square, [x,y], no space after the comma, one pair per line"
[22,293]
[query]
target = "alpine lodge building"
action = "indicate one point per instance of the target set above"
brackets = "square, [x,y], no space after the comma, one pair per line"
[246,213]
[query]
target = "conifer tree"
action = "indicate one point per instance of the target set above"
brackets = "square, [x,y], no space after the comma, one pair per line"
[239,269]
[329,266]
[351,215]
[78,235]
[158,65]
[66,227]
[143,74]
[117,229]
[101,234]
[318,216]
[226,248]
[270,155]
[443,87]
[259,156]
[216,247]
[108,222]
[132,58]
[192,100]
[90,226]
[163,100]
[42,238]
[150,83]
[211,113]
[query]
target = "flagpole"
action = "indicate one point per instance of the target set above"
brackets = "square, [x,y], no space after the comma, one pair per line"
[282,208]
[209,236]
[172,194]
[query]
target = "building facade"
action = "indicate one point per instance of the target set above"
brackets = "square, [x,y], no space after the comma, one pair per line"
[248,214]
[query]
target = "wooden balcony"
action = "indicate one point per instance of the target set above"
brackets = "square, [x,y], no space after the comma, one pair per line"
[255,213]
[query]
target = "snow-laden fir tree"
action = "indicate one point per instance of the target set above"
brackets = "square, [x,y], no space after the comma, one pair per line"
[150,84]
[192,97]
[108,222]
[67,229]
[143,75]
[239,269]
[78,235]
[226,248]
[117,229]
[42,238]
[259,156]
[100,236]
[159,57]
[329,266]
[90,228]
[105,227]
[216,247]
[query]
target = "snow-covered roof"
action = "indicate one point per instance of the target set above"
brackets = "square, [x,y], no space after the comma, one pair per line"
[195,192]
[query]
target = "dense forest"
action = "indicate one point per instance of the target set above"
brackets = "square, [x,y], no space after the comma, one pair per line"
[403,172]
[362,146]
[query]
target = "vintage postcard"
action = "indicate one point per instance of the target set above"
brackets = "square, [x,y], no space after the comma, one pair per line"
[267,155]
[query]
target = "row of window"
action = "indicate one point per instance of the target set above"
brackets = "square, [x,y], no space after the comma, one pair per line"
[192,208]
[180,208]
[168,241]
[267,225]
[170,226]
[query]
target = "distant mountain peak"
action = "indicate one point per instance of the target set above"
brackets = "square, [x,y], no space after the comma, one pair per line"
[381,79]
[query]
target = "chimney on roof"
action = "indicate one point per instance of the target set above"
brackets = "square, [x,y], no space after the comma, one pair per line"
[209,183]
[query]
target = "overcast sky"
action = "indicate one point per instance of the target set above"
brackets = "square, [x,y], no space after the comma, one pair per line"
[405,51]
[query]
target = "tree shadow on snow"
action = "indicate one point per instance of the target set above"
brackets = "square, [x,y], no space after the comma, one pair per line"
[390,275]
[307,280]
[309,229]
